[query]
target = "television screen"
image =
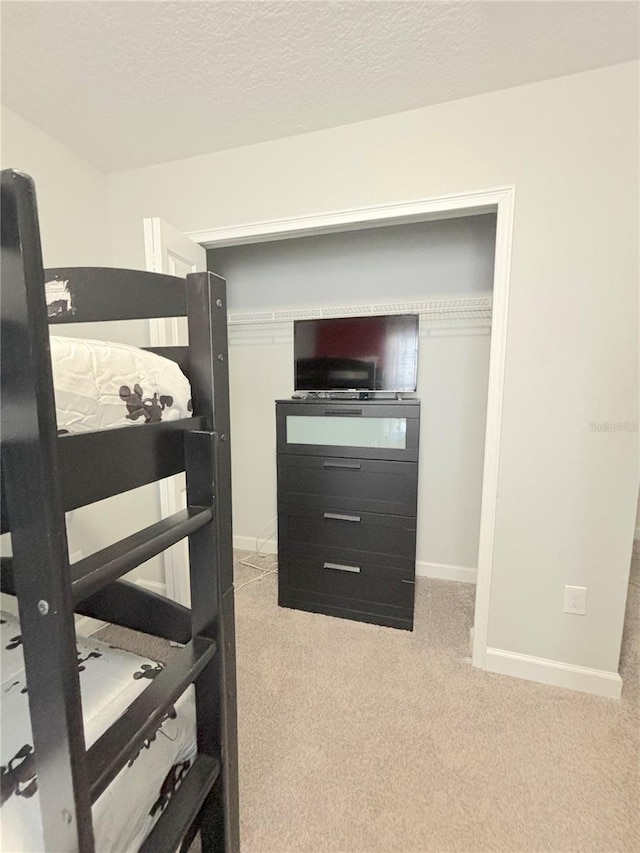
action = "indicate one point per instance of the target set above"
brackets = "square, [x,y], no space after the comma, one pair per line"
[356,353]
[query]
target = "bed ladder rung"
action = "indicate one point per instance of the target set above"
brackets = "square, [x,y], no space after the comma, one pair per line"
[105,566]
[122,740]
[183,807]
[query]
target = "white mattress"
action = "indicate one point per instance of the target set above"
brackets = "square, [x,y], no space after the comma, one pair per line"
[99,385]
[109,680]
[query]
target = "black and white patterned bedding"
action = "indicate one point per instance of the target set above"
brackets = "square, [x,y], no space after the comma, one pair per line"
[99,384]
[110,679]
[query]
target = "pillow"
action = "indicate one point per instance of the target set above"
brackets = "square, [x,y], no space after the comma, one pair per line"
[99,384]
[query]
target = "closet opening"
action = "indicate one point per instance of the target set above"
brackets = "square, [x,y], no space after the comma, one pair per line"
[441,267]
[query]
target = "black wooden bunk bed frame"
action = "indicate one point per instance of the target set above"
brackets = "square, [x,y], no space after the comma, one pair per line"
[45,475]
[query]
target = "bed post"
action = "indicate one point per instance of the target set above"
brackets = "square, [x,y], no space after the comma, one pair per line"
[38,531]
[211,555]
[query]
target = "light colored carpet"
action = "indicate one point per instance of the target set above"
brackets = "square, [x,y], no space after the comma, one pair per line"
[362,739]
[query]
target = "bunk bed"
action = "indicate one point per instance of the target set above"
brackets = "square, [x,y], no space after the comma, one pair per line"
[46,474]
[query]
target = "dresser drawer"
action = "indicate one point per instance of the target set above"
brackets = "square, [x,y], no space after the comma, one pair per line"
[338,533]
[368,485]
[357,582]
[365,429]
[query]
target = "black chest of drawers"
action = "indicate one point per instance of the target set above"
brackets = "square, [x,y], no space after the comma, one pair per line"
[347,499]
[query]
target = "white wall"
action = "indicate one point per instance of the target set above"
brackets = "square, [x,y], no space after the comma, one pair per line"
[75,227]
[567,496]
[418,261]
[72,195]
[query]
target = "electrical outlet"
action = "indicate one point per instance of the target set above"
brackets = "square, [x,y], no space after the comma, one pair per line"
[575,600]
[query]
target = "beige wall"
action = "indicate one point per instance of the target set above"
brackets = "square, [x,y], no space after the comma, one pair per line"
[567,494]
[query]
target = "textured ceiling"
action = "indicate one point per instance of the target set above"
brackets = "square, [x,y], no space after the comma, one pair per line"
[130,83]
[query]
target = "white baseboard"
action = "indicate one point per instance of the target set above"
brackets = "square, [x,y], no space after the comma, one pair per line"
[445,572]
[441,571]
[248,543]
[597,681]
[86,626]
[152,586]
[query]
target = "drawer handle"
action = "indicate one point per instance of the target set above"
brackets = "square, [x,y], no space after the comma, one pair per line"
[339,517]
[355,466]
[343,413]
[341,568]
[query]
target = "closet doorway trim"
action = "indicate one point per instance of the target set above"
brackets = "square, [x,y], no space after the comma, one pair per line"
[499,201]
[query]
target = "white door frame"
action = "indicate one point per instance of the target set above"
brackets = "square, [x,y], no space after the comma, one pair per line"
[500,201]
[164,246]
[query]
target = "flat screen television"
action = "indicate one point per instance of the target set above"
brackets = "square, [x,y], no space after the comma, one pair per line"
[356,353]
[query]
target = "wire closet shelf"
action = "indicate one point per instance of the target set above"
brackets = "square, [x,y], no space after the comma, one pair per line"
[432,311]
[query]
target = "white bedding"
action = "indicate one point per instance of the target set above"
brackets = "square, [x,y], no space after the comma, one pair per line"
[109,679]
[99,385]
